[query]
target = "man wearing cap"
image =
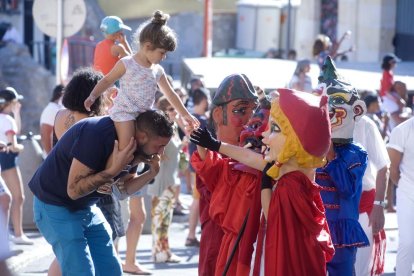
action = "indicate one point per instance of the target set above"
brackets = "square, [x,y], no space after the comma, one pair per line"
[233,105]
[113,47]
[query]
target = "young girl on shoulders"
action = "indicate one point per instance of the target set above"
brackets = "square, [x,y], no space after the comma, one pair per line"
[139,76]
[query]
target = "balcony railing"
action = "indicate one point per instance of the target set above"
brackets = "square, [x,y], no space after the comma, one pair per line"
[80,51]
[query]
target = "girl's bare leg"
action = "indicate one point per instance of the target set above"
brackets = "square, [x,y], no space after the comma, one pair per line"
[124,130]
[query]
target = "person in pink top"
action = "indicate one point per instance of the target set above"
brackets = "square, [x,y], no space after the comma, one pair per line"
[114,47]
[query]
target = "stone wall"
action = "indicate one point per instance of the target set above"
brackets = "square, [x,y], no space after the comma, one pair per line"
[33,81]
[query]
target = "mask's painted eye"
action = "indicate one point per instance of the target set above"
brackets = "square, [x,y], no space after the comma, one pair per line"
[337,101]
[256,125]
[241,111]
[274,127]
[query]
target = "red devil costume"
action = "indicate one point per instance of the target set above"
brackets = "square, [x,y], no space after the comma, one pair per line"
[233,104]
[235,192]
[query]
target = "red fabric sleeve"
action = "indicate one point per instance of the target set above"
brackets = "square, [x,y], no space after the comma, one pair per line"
[208,169]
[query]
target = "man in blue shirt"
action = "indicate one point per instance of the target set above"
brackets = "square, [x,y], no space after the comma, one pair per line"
[87,159]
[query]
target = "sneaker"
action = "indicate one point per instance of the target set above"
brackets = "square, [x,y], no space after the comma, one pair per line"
[23,239]
[192,242]
[166,257]
[173,259]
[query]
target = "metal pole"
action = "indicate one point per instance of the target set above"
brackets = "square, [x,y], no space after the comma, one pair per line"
[208,27]
[289,15]
[256,23]
[59,38]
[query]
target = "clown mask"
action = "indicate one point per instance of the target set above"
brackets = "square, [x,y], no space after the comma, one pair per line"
[344,110]
[345,107]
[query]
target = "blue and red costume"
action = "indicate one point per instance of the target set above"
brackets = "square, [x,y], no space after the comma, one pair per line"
[341,182]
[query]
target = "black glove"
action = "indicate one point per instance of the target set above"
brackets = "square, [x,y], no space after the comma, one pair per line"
[267,180]
[202,137]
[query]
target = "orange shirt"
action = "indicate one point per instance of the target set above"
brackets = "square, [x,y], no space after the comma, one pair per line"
[103,60]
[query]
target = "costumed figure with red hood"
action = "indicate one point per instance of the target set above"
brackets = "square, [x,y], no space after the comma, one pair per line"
[233,105]
[341,177]
[296,238]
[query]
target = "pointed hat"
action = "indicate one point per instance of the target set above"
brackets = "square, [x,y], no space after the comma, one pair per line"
[333,81]
[234,87]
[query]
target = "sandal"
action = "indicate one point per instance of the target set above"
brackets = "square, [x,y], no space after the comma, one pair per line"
[138,271]
[192,242]
[179,210]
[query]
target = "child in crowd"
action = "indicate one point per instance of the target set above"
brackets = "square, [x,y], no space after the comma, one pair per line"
[139,76]
[114,47]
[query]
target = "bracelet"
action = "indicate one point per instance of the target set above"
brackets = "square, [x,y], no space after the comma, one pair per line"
[380,203]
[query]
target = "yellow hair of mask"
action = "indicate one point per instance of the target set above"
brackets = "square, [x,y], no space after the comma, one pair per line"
[292,147]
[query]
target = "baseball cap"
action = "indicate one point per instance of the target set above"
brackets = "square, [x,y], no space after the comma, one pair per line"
[9,94]
[112,24]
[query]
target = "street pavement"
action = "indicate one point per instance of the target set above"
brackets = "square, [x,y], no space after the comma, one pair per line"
[34,260]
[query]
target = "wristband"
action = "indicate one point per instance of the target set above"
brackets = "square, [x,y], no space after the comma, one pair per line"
[380,203]
[267,181]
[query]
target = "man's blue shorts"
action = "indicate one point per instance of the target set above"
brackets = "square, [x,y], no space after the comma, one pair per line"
[81,239]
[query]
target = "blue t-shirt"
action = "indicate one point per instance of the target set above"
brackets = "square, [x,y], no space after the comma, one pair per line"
[90,141]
